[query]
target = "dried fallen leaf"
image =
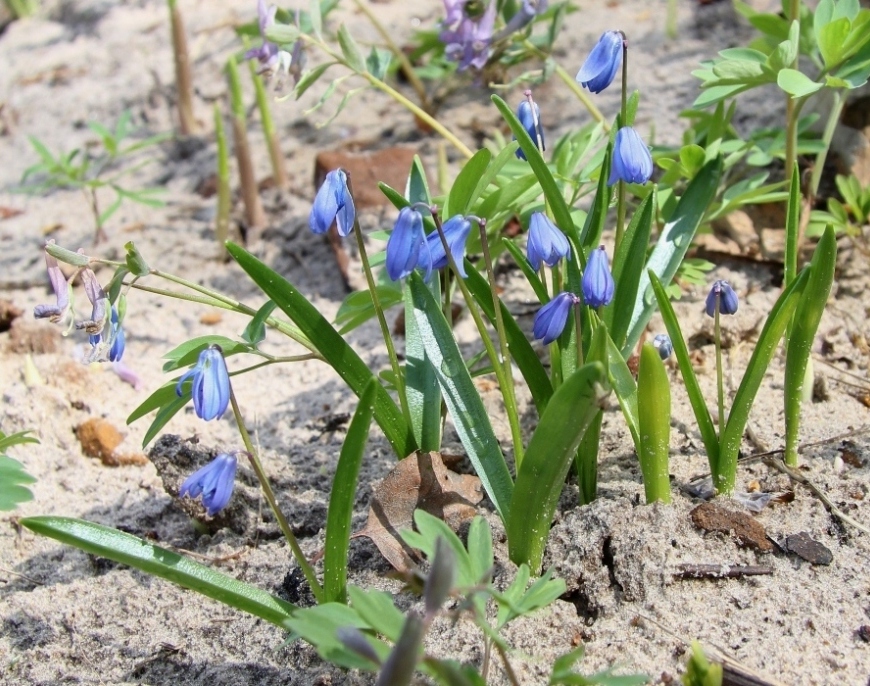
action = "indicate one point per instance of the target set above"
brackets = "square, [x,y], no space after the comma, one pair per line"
[420,481]
[747,531]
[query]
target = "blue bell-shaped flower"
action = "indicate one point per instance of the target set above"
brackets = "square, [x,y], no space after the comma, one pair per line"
[545,242]
[214,483]
[527,119]
[631,161]
[456,230]
[210,389]
[551,318]
[333,203]
[597,283]
[601,65]
[403,247]
[722,294]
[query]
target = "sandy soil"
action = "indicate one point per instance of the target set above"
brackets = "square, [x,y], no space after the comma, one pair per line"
[70,618]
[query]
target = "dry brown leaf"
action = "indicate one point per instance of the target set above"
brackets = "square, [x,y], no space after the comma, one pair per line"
[420,481]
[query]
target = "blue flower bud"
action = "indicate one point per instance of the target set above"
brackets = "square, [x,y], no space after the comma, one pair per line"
[456,230]
[403,247]
[551,318]
[600,67]
[722,294]
[597,283]
[631,161]
[545,242]
[527,119]
[214,483]
[333,203]
[210,389]
[662,343]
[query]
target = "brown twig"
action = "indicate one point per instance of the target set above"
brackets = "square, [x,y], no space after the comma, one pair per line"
[720,571]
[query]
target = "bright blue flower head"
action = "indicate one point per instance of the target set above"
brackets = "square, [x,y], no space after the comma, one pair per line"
[527,119]
[724,295]
[631,161]
[214,483]
[456,230]
[662,343]
[551,318]
[600,67]
[333,202]
[406,241]
[597,283]
[545,243]
[117,337]
[211,384]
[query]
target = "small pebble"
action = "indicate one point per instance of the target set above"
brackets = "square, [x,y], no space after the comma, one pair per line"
[808,549]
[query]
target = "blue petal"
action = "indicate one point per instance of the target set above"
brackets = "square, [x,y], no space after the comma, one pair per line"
[551,318]
[332,199]
[603,61]
[597,283]
[726,297]
[456,230]
[403,247]
[631,161]
[214,481]
[545,242]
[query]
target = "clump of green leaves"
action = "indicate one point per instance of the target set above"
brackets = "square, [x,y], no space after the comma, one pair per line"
[95,172]
[848,217]
[700,671]
[13,478]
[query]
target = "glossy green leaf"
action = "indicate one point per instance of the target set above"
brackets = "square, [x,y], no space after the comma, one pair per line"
[151,559]
[461,396]
[547,460]
[792,227]
[671,247]
[624,388]
[255,331]
[654,423]
[342,495]
[802,334]
[334,349]
[459,199]
[417,187]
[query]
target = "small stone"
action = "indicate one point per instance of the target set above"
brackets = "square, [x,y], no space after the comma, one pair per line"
[808,549]
[8,313]
[864,633]
[211,318]
[99,438]
[748,532]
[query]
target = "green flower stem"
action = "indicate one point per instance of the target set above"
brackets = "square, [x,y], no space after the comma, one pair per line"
[573,86]
[407,67]
[509,391]
[276,156]
[578,325]
[510,409]
[303,563]
[623,116]
[379,311]
[224,194]
[827,136]
[720,391]
[792,107]
[556,372]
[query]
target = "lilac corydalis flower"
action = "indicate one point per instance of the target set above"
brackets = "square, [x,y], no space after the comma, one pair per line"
[210,389]
[551,318]
[528,10]
[333,203]
[99,303]
[60,311]
[601,65]
[597,283]
[456,230]
[531,120]
[267,54]
[214,483]
[723,296]
[631,161]
[545,242]
[405,244]
[467,38]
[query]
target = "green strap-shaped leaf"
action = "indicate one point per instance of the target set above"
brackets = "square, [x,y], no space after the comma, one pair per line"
[341,498]
[792,226]
[762,354]
[590,237]
[803,331]
[522,353]
[334,349]
[135,552]
[462,398]
[672,245]
[654,421]
[459,199]
[624,387]
[547,460]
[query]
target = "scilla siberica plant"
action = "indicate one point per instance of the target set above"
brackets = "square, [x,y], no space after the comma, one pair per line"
[593,315]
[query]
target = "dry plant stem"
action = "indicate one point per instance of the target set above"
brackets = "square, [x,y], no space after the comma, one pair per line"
[276,156]
[224,199]
[719,571]
[183,78]
[407,67]
[301,560]
[254,214]
[509,671]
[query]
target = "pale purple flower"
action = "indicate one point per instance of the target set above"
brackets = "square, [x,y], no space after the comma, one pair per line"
[60,311]
[467,40]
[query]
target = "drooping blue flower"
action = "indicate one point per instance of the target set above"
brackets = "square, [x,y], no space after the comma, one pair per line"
[545,242]
[456,230]
[722,294]
[467,38]
[550,320]
[597,283]
[527,119]
[662,343]
[601,65]
[210,389]
[114,338]
[631,161]
[405,243]
[333,203]
[214,483]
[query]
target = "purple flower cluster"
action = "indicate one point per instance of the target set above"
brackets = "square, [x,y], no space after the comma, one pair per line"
[467,35]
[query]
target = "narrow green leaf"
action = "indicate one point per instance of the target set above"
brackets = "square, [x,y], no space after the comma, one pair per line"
[166,412]
[151,559]
[310,77]
[624,388]
[654,422]
[315,18]
[417,188]
[480,548]
[792,228]
[526,268]
[255,331]
[802,333]
[459,199]
[547,460]
[422,389]
[341,498]
[492,171]
[462,398]
[674,241]
[351,50]
[590,237]
[334,349]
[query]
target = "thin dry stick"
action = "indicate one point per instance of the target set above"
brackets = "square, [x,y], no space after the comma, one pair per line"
[183,78]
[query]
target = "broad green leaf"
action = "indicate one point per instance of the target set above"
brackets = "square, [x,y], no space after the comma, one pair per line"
[547,460]
[341,497]
[378,610]
[802,333]
[422,389]
[350,50]
[654,423]
[334,349]
[188,352]
[462,397]
[480,548]
[282,34]
[151,559]
[378,62]
[797,84]
[417,187]
[429,530]
[459,199]
[319,626]
[673,242]
[832,39]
